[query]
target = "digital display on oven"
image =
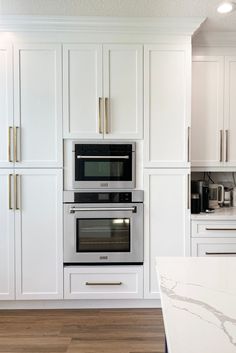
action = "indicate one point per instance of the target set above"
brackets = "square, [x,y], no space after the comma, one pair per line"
[103,197]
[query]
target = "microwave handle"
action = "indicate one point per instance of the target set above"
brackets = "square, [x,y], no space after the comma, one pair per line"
[102,157]
[79,209]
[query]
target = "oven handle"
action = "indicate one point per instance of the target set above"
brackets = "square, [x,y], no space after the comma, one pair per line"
[77,209]
[102,157]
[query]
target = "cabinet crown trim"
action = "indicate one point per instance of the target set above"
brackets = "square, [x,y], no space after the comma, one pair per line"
[175,26]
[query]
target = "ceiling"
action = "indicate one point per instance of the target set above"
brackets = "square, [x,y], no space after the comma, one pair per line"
[136,8]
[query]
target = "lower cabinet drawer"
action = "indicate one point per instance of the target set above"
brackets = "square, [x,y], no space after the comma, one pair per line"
[214,247]
[106,282]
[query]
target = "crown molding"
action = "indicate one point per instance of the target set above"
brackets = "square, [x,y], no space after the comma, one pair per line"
[157,25]
[214,39]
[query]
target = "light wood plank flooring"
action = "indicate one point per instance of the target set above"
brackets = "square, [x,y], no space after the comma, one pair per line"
[82,331]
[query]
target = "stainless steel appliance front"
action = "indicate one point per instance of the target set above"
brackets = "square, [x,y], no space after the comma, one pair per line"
[103,164]
[103,227]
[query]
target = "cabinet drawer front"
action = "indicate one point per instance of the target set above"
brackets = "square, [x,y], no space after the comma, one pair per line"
[103,283]
[214,229]
[214,247]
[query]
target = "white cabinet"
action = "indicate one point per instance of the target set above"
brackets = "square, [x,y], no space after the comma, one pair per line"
[207,111]
[103,91]
[7,278]
[31,232]
[38,105]
[38,234]
[214,247]
[103,282]
[6,105]
[166,220]
[167,115]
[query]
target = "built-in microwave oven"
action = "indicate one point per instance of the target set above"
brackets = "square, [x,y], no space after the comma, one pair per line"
[109,165]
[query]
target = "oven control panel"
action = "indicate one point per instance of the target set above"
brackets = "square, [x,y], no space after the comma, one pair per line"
[103,197]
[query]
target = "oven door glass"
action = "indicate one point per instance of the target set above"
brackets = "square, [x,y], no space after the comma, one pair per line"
[103,235]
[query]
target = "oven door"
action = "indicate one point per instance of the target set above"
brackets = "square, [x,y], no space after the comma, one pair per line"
[107,233]
[104,166]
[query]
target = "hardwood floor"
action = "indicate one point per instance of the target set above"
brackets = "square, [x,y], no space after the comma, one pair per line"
[82,331]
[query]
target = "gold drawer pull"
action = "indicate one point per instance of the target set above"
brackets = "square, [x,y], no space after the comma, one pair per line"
[103,283]
[220,253]
[10,192]
[9,144]
[221,229]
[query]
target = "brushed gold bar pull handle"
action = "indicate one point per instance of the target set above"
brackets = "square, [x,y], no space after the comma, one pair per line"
[188,192]
[103,283]
[17,207]
[9,144]
[226,145]
[9,192]
[106,115]
[221,229]
[99,115]
[16,132]
[220,253]
[221,145]
[189,130]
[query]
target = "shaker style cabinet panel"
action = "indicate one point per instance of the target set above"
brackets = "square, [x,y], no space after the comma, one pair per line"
[207,111]
[38,105]
[38,234]
[230,111]
[7,278]
[6,106]
[82,90]
[167,79]
[166,220]
[103,91]
[123,91]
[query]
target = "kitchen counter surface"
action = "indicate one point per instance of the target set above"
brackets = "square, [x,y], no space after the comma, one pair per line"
[220,214]
[198,299]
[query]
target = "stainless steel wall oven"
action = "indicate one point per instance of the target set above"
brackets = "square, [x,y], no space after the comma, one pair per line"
[103,165]
[103,227]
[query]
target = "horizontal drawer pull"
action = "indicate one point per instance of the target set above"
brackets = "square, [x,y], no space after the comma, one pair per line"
[79,209]
[221,229]
[103,283]
[220,253]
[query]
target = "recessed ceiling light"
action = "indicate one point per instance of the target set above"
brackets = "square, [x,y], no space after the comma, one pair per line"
[226,7]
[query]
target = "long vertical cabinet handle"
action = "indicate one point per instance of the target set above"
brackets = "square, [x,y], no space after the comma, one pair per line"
[106,115]
[221,145]
[99,115]
[226,145]
[10,192]
[189,140]
[17,180]
[9,144]
[16,142]
[188,192]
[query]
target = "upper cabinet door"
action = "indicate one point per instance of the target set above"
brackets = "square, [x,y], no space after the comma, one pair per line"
[123,91]
[82,91]
[38,232]
[207,111]
[38,105]
[167,84]
[7,278]
[6,106]
[230,111]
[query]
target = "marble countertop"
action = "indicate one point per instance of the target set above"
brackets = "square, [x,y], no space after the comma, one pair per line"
[220,214]
[198,298]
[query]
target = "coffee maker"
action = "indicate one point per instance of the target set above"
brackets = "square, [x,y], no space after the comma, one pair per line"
[201,187]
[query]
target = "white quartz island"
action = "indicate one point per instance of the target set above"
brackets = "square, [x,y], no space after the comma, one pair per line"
[199,303]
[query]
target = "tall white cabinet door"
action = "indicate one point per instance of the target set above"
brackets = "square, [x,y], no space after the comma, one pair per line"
[230,111]
[167,220]
[38,105]
[6,106]
[207,111]
[38,233]
[6,236]
[82,88]
[123,89]
[167,84]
